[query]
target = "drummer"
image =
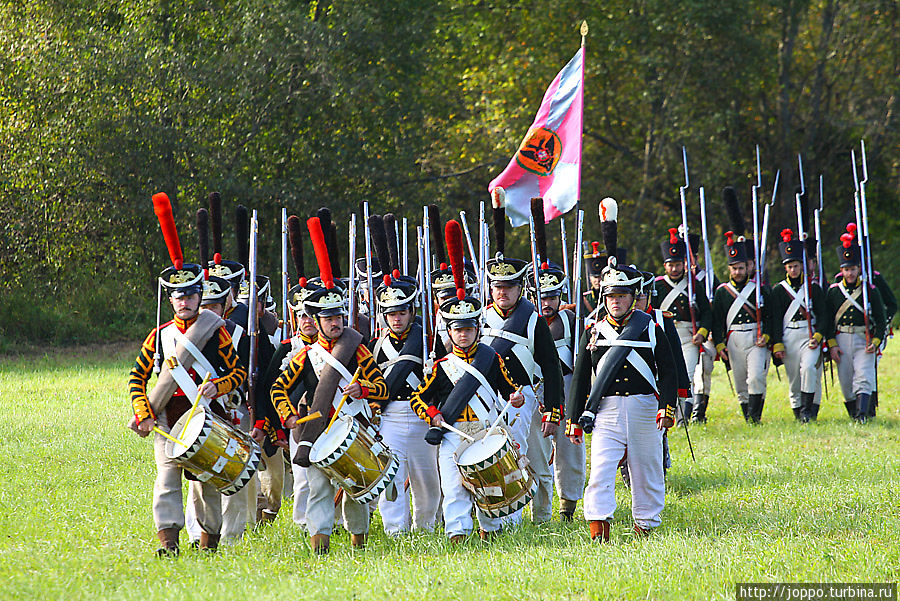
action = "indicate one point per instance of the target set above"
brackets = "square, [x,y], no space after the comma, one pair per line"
[338,364]
[179,342]
[452,394]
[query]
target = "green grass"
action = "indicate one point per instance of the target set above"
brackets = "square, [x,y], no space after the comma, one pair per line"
[779,502]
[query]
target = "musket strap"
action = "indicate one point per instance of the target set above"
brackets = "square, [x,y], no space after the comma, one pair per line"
[850,300]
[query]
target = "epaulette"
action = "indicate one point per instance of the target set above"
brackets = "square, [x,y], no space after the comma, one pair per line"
[721,285]
[659,278]
[668,314]
[168,323]
[288,341]
[835,284]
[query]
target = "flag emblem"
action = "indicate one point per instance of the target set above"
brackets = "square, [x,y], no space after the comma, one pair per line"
[540,151]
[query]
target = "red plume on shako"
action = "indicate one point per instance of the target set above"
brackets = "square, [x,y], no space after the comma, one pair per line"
[181,279]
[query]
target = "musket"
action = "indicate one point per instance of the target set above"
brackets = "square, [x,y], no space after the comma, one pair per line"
[754,191]
[157,358]
[465,228]
[576,270]
[565,250]
[801,233]
[285,325]
[707,256]
[763,252]
[425,261]
[485,253]
[253,320]
[818,226]
[687,434]
[405,248]
[689,268]
[864,280]
[422,274]
[865,210]
[353,309]
[370,286]
[535,265]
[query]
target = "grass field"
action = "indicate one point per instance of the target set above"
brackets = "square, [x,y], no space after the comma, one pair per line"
[779,502]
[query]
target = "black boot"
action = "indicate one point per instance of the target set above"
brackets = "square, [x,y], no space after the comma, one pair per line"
[815,412]
[806,405]
[745,407]
[862,407]
[873,403]
[699,416]
[798,414]
[851,408]
[756,408]
[687,410]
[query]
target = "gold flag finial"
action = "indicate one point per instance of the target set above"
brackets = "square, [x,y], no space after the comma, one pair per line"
[584,31]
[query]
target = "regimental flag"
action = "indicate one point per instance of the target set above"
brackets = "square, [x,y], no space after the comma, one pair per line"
[548,161]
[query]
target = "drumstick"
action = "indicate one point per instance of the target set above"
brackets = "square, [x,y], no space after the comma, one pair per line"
[310,417]
[341,404]
[502,413]
[194,406]
[172,438]
[454,430]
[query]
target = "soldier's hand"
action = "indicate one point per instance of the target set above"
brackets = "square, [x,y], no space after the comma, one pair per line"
[548,429]
[577,439]
[698,339]
[146,427]
[291,422]
[664,423]
[835,353]
[209,390]
[779,355]
[517,399]
[813,343]
[871,348]
[258,435]
[761,341]
[723,354]
[437,421]
[354,391]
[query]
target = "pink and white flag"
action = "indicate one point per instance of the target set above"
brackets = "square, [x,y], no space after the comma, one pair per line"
[548,161]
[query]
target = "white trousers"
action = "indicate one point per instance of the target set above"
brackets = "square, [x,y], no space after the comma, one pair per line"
[568,466]
[749,364]
[203,498]
[300,486]
[690,350]
[271,483]
[800,363]
[626,423]
[236,510]
[404,434]
[856,370]
[702,381]
[321,510]
[458,501]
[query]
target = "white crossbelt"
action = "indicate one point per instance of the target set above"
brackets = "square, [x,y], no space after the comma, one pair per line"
[849,301]
[611,338]
[741,299]
[236,335]
[797,303]
[395,357]
[455,368]
[318,358]
[677,290]
[171,337]
[523,346]
[563,348]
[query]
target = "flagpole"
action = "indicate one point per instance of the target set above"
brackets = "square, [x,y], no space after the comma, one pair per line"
[584,32]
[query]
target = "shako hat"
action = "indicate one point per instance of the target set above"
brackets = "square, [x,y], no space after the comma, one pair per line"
[180,279]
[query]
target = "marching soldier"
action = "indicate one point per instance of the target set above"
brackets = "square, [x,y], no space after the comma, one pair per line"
[191,338]
[631,400]
[462,390]
[319,375]
[398,352]
[742,330]
[692,317]
[855,330]
[798,309]
[514,329]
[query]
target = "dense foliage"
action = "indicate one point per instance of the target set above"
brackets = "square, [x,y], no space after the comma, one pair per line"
[295,104]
